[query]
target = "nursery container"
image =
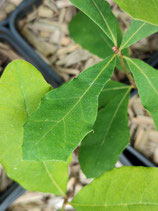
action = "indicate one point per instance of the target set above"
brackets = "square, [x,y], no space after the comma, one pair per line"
[24,48]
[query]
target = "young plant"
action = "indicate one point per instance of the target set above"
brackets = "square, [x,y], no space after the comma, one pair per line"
[41,127]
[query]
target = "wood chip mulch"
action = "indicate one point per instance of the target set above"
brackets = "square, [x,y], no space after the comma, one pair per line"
[144,136]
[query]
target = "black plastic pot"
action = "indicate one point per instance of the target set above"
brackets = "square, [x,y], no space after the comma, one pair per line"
[135,158]
[4,22]
[10,195]
[23,48]
[153,61]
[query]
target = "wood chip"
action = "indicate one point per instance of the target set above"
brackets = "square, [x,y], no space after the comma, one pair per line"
[9,8]
[56,37]
[61,4]
[3,15]
[45,12]
[144,136]
[4,180]
[51,4]
[45,48]
[155,157]
[74,57]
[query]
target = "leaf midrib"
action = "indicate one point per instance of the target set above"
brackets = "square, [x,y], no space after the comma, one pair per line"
[106,23]
[112,119]
[115,113]
[114,88]
[113,205]
[124,45]
[52,179]
[78,100]
[150,83]
[23,92]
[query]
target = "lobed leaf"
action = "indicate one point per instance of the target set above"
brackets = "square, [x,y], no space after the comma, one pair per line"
[141,9]
[66,115]
[21,89]
[126,188]
[146,78]
[137,31]
[100,150]
[100,12]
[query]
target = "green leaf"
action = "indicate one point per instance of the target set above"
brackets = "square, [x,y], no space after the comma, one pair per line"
[85,32]
[21,89]
[111,90]
[122,189]
[101,149]
[66,115]
[100,12]
[144,10]
[146,78]
[137,31]
[125,52]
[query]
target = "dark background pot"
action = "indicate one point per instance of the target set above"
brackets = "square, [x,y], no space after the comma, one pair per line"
[23,48]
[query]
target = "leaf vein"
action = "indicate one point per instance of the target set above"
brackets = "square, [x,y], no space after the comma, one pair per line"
[78,100]
[106,23]
[52,179]
[132,36]
[150,83]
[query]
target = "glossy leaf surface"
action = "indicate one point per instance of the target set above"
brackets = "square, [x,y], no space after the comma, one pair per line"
[146,78]
[66,115]
[126,188]
[144,10]
[137,31]
[100,150]
[100,12]
[21,88]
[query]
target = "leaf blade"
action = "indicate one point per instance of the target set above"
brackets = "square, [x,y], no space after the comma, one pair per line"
[146,78]
[96,10]
[133,185]
[18,78]
[85,32]
[97,151]
[137,31]
[60,112]
[141,9]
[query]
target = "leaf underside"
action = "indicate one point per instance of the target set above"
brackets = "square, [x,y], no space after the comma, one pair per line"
[21,89]
[66,115]
[100,150]
[126,188]
[146,78]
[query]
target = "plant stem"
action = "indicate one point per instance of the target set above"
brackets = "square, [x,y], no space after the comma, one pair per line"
[64,203]
[128,74]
